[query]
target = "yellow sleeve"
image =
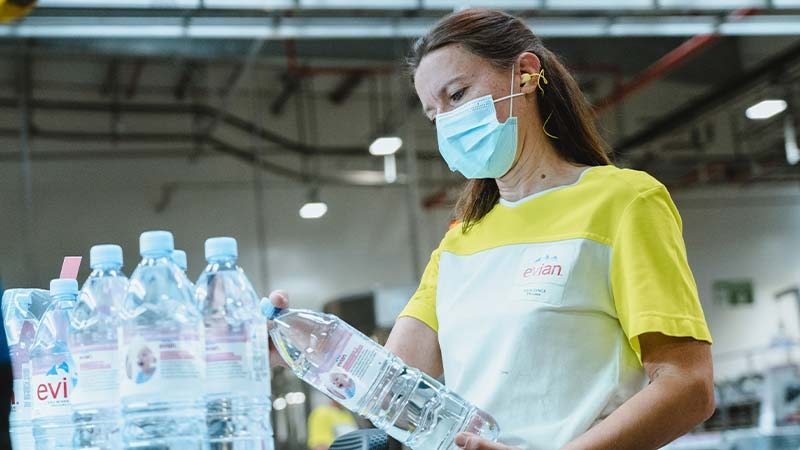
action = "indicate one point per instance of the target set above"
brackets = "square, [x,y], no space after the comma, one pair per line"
[422,305]
[320,427]
[652,285]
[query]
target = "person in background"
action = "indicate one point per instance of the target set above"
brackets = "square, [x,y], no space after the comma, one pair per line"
[327,422]
[562,302]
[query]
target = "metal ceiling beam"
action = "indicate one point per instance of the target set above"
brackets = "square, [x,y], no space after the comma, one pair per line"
[136,74]
[232,120]
[99,27]
[771,68]
[542,6]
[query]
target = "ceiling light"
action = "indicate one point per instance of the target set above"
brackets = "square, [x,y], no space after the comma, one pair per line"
[765,109]
[790,140]
[313,210]
[390,168]
[385,146]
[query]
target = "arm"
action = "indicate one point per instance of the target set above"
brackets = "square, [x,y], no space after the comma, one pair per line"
[417,345]
[680,395]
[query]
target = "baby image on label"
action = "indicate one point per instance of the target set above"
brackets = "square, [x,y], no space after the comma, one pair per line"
[140,363]
[340,385]
[543,272]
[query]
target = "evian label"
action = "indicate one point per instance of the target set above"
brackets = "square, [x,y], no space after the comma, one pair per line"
[543,272]
[231,363]
[170,365]
[53,379]
[98,372]
[353,371]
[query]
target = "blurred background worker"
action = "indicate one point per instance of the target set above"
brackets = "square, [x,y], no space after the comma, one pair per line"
[326,422]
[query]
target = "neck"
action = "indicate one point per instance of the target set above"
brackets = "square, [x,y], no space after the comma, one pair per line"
[538,168]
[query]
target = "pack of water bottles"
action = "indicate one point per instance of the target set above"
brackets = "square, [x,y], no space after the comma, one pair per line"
[150,362]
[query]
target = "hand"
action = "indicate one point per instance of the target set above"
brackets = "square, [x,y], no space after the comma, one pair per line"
[470,441]
[279,299]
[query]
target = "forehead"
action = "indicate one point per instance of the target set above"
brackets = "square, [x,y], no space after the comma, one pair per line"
[443,64]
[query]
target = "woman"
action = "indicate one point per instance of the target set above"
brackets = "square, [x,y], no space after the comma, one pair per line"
[565,289]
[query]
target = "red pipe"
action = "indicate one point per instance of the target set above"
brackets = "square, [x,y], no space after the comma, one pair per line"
[671,61]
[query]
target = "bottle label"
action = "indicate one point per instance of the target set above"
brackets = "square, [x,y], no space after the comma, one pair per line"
[234,363]
[98,372]
[53,379]
[353,372]
[170,365]
[21,405]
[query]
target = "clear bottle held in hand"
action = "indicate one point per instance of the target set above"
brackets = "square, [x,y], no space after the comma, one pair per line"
[357,372]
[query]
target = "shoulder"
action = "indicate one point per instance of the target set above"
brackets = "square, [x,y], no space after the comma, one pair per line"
[621,183]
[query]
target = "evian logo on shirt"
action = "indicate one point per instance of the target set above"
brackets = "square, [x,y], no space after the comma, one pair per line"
[543,266]
[546,264]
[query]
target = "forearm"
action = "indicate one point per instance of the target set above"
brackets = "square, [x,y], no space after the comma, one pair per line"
[666,409]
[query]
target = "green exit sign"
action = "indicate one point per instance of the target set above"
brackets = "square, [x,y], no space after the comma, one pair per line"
[733,292]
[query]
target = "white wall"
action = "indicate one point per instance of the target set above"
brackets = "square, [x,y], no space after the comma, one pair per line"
[751,233]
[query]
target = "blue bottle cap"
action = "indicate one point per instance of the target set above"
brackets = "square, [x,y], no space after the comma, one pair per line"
[156,243]
[179,257]
[269,310]
[221,247]
[63,286]
[105,255]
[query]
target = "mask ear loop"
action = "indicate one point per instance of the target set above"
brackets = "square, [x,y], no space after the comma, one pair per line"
[511,101]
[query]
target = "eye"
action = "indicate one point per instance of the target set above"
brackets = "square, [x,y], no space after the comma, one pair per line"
[457,95]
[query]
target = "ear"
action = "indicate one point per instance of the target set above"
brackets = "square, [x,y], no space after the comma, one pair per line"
[528,67]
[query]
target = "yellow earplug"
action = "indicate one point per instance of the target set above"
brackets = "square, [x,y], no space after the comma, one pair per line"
[526,77]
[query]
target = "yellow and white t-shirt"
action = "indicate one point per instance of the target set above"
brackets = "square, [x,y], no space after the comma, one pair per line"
[539,306]
[326,423]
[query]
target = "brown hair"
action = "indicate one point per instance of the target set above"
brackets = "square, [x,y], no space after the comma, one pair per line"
[500,38]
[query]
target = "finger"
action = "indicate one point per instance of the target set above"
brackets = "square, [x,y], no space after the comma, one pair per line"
[279,298]
[469,441]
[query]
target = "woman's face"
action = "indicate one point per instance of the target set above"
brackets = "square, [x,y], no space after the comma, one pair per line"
[450,76]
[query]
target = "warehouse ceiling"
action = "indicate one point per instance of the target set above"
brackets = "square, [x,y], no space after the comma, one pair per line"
[297,85]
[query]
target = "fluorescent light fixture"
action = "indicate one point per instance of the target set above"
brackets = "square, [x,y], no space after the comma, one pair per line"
[313,210]
[765,109]
[385,146]
[295,398]
[390,168]
[790,139]
[279,404]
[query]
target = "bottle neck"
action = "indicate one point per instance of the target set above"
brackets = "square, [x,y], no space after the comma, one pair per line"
[61,299]
[224,261]
[155,256]
[111,267]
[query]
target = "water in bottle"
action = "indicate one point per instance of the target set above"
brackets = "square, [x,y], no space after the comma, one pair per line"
[369,380]
[162,347]
[94,347]
[53,370]
[237,359]
[19,313]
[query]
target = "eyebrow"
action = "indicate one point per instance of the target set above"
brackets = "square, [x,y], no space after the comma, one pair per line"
[443,89]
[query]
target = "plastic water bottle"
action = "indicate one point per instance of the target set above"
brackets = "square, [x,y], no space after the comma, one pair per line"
[161,354]
[20,326]
[94,347]
[367,379]
[237,359]
[179,256]
[53,370]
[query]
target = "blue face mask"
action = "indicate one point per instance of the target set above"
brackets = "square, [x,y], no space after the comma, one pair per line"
[473,142]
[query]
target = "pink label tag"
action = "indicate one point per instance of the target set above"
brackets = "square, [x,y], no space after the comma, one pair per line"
[70,267]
